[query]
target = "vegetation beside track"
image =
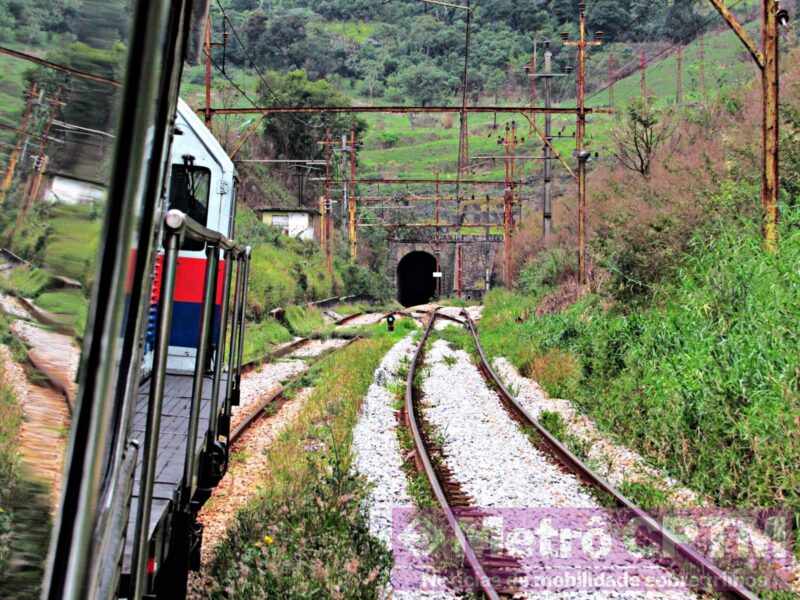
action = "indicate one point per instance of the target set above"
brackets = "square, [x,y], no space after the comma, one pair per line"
[306,533]
[702,378]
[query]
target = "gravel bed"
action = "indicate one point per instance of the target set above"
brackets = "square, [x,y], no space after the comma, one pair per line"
[240,484]
[316,348]
[42,439]
[498,468]
[54,354]
[365,319]
[617,464]
[12,307]
[379,458]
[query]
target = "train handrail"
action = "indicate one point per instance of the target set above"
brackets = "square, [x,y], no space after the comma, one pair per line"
[178,221]
[178,225]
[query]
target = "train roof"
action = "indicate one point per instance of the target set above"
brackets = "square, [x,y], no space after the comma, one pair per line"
[188,119]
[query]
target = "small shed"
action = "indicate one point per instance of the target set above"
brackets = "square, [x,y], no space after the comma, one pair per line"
[300,223]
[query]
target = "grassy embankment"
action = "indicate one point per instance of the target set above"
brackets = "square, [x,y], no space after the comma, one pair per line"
[63,240]
[702,379]
[394,147]
[306,534]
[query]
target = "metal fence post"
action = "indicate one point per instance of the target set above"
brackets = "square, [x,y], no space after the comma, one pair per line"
[153,429]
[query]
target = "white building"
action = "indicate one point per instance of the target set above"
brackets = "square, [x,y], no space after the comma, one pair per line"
[300,223]
[64,189]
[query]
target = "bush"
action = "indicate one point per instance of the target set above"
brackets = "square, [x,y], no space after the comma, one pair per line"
[548,269]
[703,380]
[557,371]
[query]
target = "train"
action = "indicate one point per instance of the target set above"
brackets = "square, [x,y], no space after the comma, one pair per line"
[161,361]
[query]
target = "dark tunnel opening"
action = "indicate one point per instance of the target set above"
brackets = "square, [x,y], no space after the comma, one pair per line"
[415,281]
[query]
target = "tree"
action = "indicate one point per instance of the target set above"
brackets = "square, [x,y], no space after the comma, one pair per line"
[292,136]
[642,131]
[424,83]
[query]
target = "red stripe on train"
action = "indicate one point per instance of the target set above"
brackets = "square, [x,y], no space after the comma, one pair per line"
[191,277]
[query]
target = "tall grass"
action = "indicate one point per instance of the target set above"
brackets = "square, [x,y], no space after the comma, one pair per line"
[703,379]
[306,534]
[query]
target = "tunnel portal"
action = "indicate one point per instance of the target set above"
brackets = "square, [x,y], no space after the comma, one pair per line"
[415,281]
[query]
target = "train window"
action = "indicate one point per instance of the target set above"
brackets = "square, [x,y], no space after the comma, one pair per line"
[189,191]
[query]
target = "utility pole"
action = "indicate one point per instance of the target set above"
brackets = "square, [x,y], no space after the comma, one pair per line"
[352,206]
[323,225]
[509,144]
[35,178]
[767,59]
[345,207]
[15,153]
[679,94]
[328,203]
[582,154]
[643,74]
[463,139]
[533,75]
[702,57]
[612,79]
[459,271]
[207,50]
[207,47]
[547,200]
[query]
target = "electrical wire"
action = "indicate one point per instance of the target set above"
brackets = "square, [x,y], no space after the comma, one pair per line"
[668,51]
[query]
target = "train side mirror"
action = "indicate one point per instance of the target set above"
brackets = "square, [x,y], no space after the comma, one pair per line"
[390,322]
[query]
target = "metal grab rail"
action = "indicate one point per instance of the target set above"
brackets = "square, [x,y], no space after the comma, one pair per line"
[181,223]
[177,226]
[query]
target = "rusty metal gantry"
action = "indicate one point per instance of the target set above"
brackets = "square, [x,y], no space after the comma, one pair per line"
[582,154]
[510,184]
[767,60]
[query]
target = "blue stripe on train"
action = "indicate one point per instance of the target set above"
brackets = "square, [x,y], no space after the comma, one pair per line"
[186,324]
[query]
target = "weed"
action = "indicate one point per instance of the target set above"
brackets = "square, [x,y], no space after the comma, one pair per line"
[307,535]
[553,422]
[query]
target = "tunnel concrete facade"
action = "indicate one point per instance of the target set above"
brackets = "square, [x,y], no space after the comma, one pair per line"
[478,265]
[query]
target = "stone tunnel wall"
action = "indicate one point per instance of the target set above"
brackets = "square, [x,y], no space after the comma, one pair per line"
[478,256]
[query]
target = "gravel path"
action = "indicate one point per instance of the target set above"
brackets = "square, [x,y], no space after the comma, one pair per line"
[498,468]
[263,382]
[13,308]
[379,458]
[613,462]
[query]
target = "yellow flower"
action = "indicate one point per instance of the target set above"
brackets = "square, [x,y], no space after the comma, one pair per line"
[268,540]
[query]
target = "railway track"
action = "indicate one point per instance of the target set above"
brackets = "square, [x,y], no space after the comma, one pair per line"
[258,412]
[450,499]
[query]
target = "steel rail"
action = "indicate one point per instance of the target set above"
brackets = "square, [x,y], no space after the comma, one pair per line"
[422,453]
[256,415]
[659,534]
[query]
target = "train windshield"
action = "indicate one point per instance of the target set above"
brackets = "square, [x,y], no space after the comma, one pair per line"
[190,189]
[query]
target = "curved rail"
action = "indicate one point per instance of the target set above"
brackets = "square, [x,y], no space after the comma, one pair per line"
[424,458]
[256,414]
[659,534]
